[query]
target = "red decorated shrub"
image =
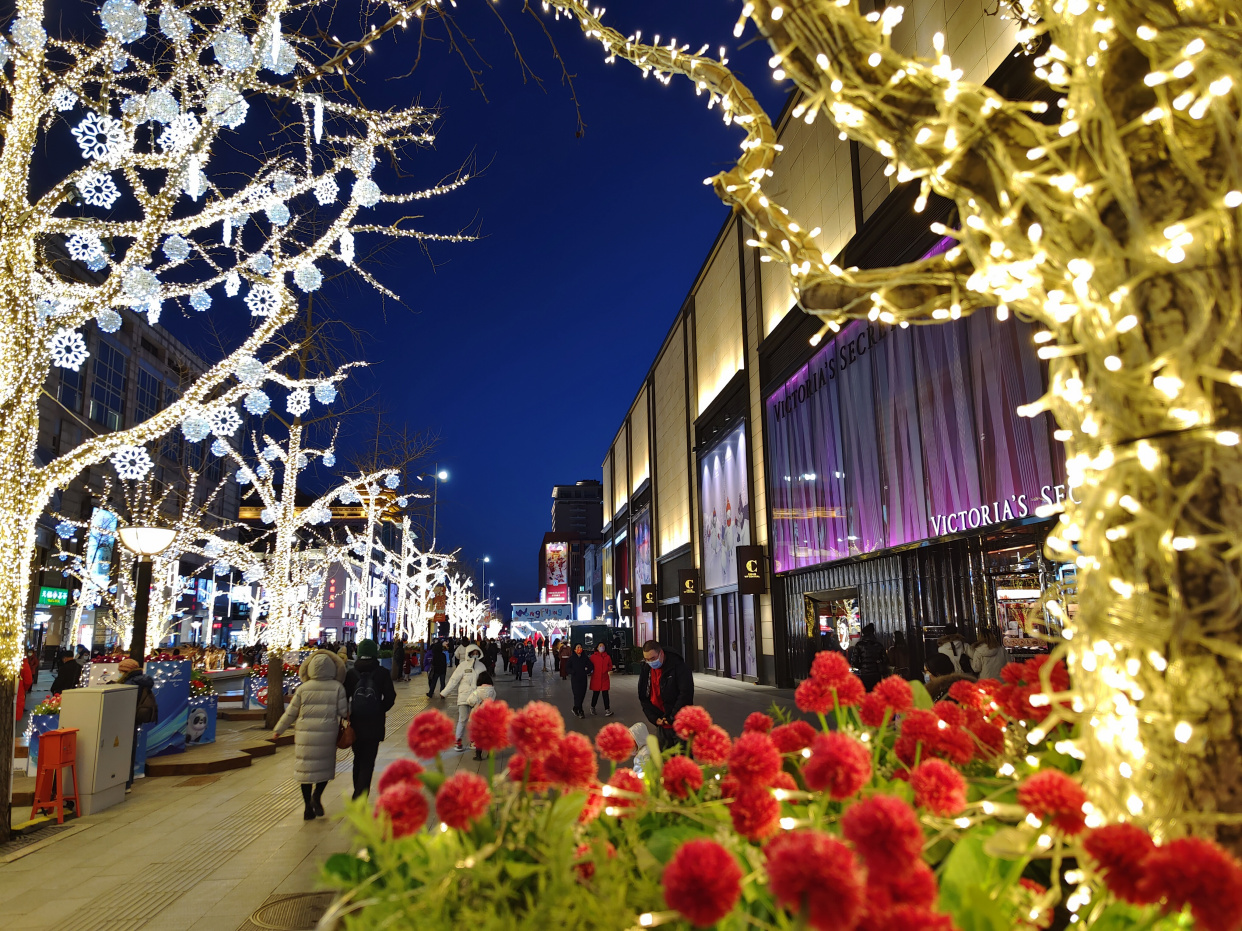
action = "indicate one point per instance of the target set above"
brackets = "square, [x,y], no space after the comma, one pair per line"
[405,806]
[759,722]
[572,764]
[462,800]
[729,786]
[885,832]
[691,721]
[784,781]
[1196,872]
[615,742]
[830,667]
[912,918]
[402,770]
[938,787]
[977,695]
[430,734]
[1055,796]
[1119,851]
[532,771]
[702,881]
[536,730]
[489,726]
[756,813]
[794,736]
[627,781]
[712,746]
[754,759]
[682,776]
[839,765]
[812,872]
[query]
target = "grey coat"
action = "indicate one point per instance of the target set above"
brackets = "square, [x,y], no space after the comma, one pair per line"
[316,711]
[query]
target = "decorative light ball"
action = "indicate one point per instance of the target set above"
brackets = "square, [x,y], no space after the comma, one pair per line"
[326,190]
[232,282]
[303,462]
[221,568]
[286,60]
[177,248]
[224,421]
[196,428]
[131,462]
[140,284]
[298,402]
[267,516]
[243,477]
[325,392]
[98,189]
[270,453]
[219,448]
[262,471]
[28,34]
[361,159]
[402,501]
[6,52]
[123,20]
[68,349]
[358,547]
[278,214]
[161,106]
[350,496]
[261,262]
[65,530]
[366,192]
[200,300]
[253,574]
[233,50]
[175,24]
[250,371]
[392,481]
[226,106]
[96,263]
[108,320]
[329,459]
[119,62]
[257,402]
[307,277]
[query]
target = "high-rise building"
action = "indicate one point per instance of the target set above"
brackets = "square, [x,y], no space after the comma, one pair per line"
[579,509]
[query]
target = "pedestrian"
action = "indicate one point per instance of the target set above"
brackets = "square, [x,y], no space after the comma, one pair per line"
[953,645]
[543,651]
[461,684]
[146,710]
[580,670]
[459,655]
[939,675]
[869,658]
[369,688]
[490,652]
[563,659]
[665,686]
[316,710]
[601,682]
[483,691]
[70,674]
[899,655]
[24,684]
[439,667]
[398,660]
[519,660]
[987,656]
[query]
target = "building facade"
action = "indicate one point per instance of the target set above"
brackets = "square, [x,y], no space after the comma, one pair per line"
[578,509]
[882,474]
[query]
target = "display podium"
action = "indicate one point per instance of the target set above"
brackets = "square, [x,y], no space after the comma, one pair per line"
[104,718]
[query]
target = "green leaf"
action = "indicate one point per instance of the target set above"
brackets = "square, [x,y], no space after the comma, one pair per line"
[980,913]
[922,698]
[432,780]
[348,868]
[664,842]
[965,876]
[1008,844]
[520,870]
[1118,917]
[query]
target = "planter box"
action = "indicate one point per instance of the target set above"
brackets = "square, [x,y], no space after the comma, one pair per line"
[255,691]
[201,726]
[39,724]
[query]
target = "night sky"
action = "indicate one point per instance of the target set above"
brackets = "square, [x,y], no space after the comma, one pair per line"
[523,351]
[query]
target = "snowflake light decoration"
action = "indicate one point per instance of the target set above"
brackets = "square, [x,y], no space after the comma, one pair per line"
[263,300]
[366,192]
[224,421]
[233,51]
[123,20]
[308,277]
[98,189]
[200,300]
[131,462]
[177,248]
[196,428]
[257,402]
[99,137]
[66,530]
[64,99]
[325,392]
[298,402]
[179,133]
[392,481]
[326,190]
[84,246]
[108,320]
[68,349]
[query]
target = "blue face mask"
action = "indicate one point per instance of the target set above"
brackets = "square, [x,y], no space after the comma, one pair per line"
[655,663]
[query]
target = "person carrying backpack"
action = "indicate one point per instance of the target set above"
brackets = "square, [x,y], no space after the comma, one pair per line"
[371,694]
[147,711]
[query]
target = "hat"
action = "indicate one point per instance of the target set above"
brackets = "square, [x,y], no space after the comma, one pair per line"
[366,649]
[129,664]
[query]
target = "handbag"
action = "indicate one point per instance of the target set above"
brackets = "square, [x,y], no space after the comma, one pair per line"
[345,735]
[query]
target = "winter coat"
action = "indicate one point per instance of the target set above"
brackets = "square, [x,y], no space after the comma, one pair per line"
[317,708]
[602,664]
[580,668]
[146,694]
[480,694]
[954,648]
[23,685]
[439,662]
[69,677]
[459,655]
[676,688]
[370,728]
[987,661]
[869,658]
[398,658]
[465,677]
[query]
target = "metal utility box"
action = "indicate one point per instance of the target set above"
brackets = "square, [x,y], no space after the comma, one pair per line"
[104,717]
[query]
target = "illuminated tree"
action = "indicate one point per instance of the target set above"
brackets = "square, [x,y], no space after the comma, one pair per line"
[1114,224]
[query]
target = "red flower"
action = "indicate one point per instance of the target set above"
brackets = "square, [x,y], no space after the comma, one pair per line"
[759,722]
[872,710]
[401,770]
[584,862]
[914,918]
[793,737]
[702,881]
[950,713]
[896,693]
[916,887]
[532,771]
[691,721]
[839,765]
[405,807]
[938,787]
[1119,851]
[712,746]
[536,729]
[593,805]
[784,781]
[615,742]
[850,691]
[682,776]
[1052,794]
[754,759]
[462,800]
[813,696]
[489,725]
[975,695]
[756,813]
[627,781]
[1196,872]
[812,872]
[830,667]
[430,734]
[572,764]
[886,833]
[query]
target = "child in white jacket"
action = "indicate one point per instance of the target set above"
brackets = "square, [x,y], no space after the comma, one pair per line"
[463,681]
[482,692]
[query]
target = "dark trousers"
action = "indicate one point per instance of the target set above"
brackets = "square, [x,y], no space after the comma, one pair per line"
[364,765]
[667,737]
[595,698]
[313,798]
[133,759]
[580,691]
[436,675]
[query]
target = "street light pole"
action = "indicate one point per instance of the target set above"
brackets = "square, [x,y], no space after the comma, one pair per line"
[145,543]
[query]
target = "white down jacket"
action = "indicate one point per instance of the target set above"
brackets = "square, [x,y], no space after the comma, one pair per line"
[315,712]
[465,677]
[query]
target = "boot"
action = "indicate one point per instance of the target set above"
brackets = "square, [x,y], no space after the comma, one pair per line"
[317,798]
[309,813]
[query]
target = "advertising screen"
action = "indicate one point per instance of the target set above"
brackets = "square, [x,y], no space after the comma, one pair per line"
[726,509]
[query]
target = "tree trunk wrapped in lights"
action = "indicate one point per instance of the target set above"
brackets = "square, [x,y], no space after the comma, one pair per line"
[1114,224]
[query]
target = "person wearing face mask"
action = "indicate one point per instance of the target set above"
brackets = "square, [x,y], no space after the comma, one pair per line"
[601,682]
[665,686]
[580,669]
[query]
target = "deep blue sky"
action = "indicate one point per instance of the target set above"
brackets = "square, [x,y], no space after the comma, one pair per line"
[524,350]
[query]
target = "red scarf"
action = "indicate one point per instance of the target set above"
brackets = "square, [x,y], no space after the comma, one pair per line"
[656,698]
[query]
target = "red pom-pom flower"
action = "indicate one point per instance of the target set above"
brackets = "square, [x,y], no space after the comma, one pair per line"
[462,800]
[702,881]
[430,734]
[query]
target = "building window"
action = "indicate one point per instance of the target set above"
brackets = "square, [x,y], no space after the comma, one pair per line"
[69,391]
[147,403]
[108,388]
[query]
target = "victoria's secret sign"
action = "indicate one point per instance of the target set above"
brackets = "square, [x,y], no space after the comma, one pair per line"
[826,365]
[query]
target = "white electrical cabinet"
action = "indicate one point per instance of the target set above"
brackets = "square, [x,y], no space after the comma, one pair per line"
[104,717]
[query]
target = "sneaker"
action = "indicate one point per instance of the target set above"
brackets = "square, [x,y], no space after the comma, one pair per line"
[593,711]
[460,748]
[608,713]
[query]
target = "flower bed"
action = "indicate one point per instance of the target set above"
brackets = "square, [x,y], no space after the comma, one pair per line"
[200,685]
[905,815]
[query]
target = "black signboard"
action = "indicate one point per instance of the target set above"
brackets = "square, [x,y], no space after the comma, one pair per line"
[688,586]
[751,570]
[648,595]
[625,604]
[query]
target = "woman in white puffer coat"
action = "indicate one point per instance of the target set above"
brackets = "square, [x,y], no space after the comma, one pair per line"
[315,712]
[465,678]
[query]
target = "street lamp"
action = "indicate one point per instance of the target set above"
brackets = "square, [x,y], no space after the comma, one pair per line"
[438,476]
[486,560]
[143,542]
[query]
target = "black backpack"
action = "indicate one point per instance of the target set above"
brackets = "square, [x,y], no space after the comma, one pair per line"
[366,701]
[148,710]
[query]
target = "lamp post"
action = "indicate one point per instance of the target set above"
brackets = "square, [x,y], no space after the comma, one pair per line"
[438,476]
[145,543]
[486,560]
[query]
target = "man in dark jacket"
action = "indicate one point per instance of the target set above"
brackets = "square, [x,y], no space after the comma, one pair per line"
[69,675]
[439,666]
[398,659]
[665,686]
[869,657]
[146,710]
[368,686]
